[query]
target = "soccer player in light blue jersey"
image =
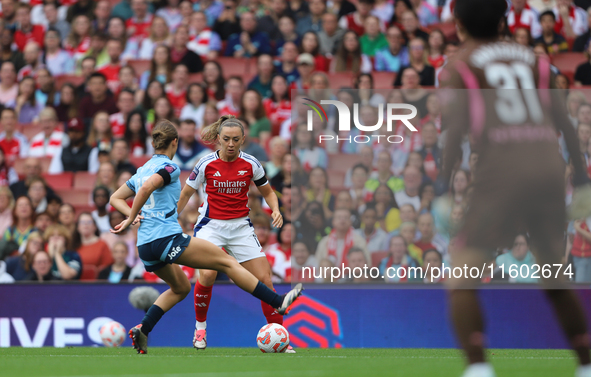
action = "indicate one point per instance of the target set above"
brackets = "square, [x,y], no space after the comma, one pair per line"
[162,245]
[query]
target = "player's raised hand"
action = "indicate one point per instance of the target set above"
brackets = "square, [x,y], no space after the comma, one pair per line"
[277,219]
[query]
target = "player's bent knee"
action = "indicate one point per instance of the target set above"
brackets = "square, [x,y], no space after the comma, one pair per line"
[207,277]
[182,289]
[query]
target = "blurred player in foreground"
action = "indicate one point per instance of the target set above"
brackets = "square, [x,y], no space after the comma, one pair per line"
[161,241]
[223,217]
[500,95]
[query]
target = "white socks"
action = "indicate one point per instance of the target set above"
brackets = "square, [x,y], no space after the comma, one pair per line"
[200,325]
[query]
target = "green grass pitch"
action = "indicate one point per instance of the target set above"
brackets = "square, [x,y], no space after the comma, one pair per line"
[247,362]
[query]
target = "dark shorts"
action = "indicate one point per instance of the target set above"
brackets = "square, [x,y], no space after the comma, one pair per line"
[162,251]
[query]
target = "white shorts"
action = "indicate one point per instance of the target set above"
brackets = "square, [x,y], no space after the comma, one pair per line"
[236,236]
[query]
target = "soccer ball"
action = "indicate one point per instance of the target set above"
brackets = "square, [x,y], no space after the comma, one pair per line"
[112,334]
[273,338]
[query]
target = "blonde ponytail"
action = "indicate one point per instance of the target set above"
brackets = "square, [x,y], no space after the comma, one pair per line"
[209,134]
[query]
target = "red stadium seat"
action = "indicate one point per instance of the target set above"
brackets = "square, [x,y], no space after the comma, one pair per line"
[84,180]
[342,162]
[74,197]
[383,80]
[59,181]
[567,63]
[341,79]
[89,272]
[377,256]
[30,130]
[448,29]
[195,77]
[62,79]
[80,208]
[139,65]
[235,66]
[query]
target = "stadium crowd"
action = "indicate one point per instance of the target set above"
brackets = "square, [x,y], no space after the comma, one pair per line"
[83,82]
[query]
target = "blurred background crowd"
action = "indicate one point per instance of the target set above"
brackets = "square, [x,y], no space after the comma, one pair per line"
[83,82]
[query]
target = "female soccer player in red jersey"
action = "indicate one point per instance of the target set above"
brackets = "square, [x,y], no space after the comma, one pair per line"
[223,217]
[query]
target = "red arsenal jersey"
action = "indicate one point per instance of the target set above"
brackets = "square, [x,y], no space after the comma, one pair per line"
[226,184]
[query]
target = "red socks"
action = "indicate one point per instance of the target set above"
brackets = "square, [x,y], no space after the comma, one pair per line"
[271,314]
[202,298]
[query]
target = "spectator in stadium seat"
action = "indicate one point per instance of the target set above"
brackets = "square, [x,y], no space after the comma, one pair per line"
[190,150]
[8,83]
[118,271]
[582,40]
[57,60]
[278,149]
[101,15]
[411,27]
[395,56]
[8,175]
[553,41]
[374,236]
[13,143]
[523,37]
[354,21]
[388,213]
[410,192]
[139,24]
[162,110]
[67,217]
[518,256]
[78,41]
[171,14]
[232,100]
[23,218]
[176,90]
[583,134]
[52,18]
[106,176]
[129,45]
[278,106]
[311,226]
[253,148]
[341,239]
[429,238]
[419,63]
[349,57]
[81,7]
[249,42]
[522,16]
[159,34]
[99,99]
[341,8]
[6,51]
[6,206]
[583,114]
[300,258]
[269,23]
[86,242]
[9,13]
[100,133]
[67,265]
[398,259]
[136,134]
[228,22]
[100,198]
[25,105]
[120,156]
[25,30]
[50,140]
[214,81]
[179,54]
[305,148]
[114,49]
[87,65]
[313,20]
[286,203]
[78,155]
[427,194]
[359,194]
[372,39]
[32,55]
[128,237]
[279,253]
[37,192]
[430,151]
[356,257]
[161,67]
[318,191]
[571,21]
[41,267]
[45,93]
[196,100]
[383,174]
[20,266]
[251,105]
[42,221]
[408,231]
[262,81]
[330,35]
[204,42]
[288,65]
[125,104]
[432,259]
[426,13]
[286,34]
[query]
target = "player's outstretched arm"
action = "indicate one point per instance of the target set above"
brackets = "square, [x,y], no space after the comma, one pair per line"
[273,203]
[119,199]
[186,194]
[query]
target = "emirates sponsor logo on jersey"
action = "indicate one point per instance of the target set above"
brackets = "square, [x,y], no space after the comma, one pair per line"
[217,183]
